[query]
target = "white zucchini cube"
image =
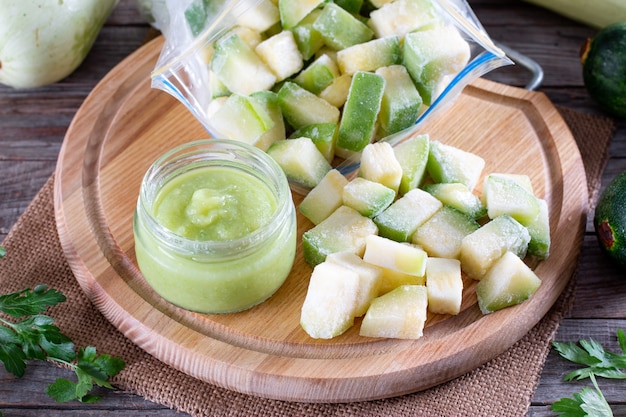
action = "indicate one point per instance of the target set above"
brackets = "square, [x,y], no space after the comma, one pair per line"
[401,257]
[280,52]
[445,285]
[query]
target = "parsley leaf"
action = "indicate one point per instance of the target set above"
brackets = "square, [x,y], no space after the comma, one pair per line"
[597,360]
[588,403]
[35,337]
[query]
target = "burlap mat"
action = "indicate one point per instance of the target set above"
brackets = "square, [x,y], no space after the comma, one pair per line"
[502,387]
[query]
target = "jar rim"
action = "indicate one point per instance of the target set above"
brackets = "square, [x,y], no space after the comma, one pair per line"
[214,152]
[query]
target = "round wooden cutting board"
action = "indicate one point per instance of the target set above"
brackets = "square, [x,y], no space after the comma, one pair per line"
[124,125]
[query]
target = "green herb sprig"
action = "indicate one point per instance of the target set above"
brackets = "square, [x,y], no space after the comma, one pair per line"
[596,361]
[35,337]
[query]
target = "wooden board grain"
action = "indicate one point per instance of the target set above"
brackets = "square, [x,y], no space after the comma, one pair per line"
[124,125]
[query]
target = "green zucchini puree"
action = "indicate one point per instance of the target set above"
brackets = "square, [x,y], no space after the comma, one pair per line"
[215,203]
[210,205]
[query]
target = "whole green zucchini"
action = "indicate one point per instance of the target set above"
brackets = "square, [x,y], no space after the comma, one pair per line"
[43,41]
[596,13]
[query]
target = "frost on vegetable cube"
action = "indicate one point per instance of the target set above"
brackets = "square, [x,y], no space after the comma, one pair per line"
[369,56]
[234,61]
[330,302]
[379,164]
[302,108]
[400,17]
[309,40]
[442,234]
[345,230]
[412,155]
[370,277]
[360,112]
[504,195]
[339,28]
[480,249]
[242,118]
[401,102]
[459,197]
[432,56]
[260,17]
[300,159]
[401,257]
[323,135]
[401,219]
[325,198]
[281,54]
[399,314]
[444,284]
[367,197]
[508,282]
[292,12]
[318,75]
[448,163]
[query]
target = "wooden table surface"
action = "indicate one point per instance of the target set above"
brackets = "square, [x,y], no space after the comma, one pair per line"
[33,124]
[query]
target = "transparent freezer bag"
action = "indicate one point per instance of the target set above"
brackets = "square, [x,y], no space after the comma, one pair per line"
[191,28]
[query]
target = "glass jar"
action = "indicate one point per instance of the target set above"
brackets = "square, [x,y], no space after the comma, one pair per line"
[215,226]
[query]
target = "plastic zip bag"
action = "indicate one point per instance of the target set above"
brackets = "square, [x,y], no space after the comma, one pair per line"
[191,27]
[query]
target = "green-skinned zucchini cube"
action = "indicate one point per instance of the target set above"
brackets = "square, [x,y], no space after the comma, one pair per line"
[367,197]
[242,118]
[401,219]
[458,196]
[340,29]
[358,121]
[401,102]
[323,135]
[504,195]
[369,56]
[302,108]
[318,75]
[412,155]
[345,230]
[447,163]
[309,40]
[324,198]
[292,12]
[301,161]
[400,17]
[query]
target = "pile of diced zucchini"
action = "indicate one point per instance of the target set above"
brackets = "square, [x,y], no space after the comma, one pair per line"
[394,242]
[340,74]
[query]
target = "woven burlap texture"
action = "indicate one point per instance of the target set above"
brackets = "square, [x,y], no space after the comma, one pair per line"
[502,387]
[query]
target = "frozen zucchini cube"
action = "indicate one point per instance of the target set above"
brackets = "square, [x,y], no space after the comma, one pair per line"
[444,284]
[369,56]
[539,230]
[400,17]
[412,155]
[480,249]
[448,163]
[339,28]
[399,314]
[269,101]
[260,17]
[300,159]
[345,230]
[302,108]
[308,39]
[323,135]
[401,219]
[392,279]
[432,56]
[318,75]
[281,54]
[352,6]
[458,196]
[292,12]
[360,112]
[325,198]
[508,282]
[442,234]
[379,164]
[337,92]
[401,257]
[367,197]
[330,302]
[242,118]
[370,277]
[234,60]
[401,102]
[503,195]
